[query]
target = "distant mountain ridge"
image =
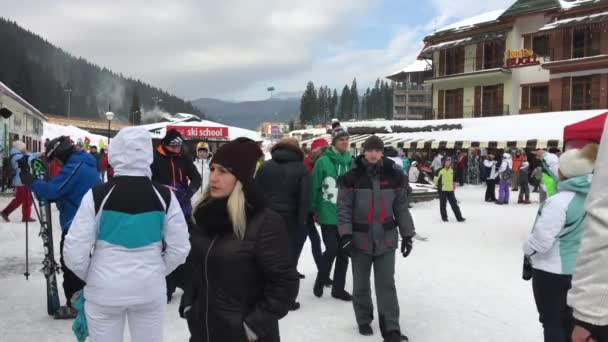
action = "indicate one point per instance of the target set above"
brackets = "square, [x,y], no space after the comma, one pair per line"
[251,114]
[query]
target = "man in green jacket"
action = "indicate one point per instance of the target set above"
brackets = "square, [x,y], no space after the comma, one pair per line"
[334,162]
[445,183]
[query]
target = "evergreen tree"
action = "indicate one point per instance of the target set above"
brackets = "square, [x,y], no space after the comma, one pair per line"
[354,94]
[135,111]
[346,104]
[308,104]
[333,105]
[322,106]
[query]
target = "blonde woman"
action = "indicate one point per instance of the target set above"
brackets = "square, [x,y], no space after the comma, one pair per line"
[243,281]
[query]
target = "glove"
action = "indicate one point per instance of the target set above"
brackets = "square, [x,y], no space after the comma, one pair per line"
[406,246]
[26,178]
[183,311]
[346,244]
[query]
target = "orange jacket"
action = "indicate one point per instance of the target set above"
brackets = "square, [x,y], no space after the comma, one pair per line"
[517,162]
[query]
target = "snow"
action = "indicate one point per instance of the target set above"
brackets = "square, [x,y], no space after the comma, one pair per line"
[568,4]
[464,284]
[416,66]
[52,131]
[559,23]
[545,126]
[472,21]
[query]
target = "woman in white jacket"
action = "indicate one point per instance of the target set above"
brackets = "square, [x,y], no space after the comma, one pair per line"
[201,163]
[137,234]
[491,174]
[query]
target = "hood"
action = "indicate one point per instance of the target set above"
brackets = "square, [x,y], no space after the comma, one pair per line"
[506,156]
[284,152]
[579,185]
[550,163]
[131,153]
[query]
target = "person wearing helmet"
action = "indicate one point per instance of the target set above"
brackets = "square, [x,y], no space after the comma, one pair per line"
[78,175]
[201,162]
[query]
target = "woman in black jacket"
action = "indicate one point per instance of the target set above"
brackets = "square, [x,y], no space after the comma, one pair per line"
[243,280]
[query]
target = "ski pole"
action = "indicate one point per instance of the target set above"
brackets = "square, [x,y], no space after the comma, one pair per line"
[27,253]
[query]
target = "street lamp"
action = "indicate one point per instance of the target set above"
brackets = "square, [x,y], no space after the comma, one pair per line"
[110,117]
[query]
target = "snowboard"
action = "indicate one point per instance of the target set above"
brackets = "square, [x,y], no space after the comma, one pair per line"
[50,267]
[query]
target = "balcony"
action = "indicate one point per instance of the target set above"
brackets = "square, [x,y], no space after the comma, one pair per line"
[470,112]
[469,68]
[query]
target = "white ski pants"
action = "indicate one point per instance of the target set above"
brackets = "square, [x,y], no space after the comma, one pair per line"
[107,323]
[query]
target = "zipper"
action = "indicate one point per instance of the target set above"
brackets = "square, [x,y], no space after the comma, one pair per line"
[207,289]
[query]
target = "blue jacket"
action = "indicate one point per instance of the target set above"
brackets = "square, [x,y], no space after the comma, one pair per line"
[78,175]
[15,157]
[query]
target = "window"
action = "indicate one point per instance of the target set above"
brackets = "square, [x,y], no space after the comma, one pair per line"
[581,93]
[417,98]
[454,61]
[586,41]
[400,98]
[539,96]
[492,100]
[540,45]
[454,103]
[493,54]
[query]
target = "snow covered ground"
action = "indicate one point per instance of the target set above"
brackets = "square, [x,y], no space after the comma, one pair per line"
[464,284]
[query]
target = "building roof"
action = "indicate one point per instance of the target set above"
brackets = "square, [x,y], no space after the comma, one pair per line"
[528,6]
[585,19]
[469,23]
[4,89]
[428,50]
[569,4]
[416,66]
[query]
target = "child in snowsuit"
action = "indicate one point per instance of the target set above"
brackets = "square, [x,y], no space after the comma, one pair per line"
[445,183]
[554,242]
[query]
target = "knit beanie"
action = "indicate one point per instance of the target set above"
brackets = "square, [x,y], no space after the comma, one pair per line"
[19,145]
[318,143]
[578,162]
[373,143]
[239,157]
[173,138]
[337,133]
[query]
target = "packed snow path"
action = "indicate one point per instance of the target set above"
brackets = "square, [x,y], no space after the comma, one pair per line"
[464,284]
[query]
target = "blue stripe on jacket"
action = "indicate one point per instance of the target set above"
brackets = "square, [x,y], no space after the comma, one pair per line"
[131,230]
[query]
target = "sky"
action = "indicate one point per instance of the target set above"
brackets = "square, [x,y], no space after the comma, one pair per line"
[235,49]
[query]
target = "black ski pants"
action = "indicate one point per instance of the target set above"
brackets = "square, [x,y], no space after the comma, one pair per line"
[71,282]
[550,294]
[315,242]
[180,277]
[448,196]
[490,190]
[331,239]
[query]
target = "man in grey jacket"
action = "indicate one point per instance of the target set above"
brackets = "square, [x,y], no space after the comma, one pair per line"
[372,212]
[589,294]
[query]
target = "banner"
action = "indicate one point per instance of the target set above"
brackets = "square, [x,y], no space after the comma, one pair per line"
[198,132]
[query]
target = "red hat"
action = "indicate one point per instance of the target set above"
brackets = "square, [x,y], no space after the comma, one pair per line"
[318,143]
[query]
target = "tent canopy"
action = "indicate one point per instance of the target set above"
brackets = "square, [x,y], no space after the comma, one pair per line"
[587,130]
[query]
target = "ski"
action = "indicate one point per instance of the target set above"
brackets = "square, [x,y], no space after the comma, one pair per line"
[50,267]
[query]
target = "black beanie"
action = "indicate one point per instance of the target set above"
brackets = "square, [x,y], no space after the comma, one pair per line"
[173,138]
[373,143]
[240,158]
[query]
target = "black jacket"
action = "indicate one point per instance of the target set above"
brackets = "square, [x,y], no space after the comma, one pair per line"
[235,281]
[177,171]
[286,183]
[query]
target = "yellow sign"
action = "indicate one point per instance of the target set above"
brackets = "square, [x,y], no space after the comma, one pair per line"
[520,53]
[521,58]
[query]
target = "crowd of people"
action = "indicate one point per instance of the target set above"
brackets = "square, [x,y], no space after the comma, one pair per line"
[161,220]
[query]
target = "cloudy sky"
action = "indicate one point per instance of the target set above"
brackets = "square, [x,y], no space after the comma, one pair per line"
[234,49]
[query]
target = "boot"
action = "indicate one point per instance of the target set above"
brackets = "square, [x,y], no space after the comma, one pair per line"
[366,330]
[4,216]
[395,336]
[318,288]
[342,295]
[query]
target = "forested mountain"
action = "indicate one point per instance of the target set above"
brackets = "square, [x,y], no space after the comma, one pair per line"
[46,76]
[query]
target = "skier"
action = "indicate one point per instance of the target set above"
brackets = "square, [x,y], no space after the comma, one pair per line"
[23,197]
[555,240]
[201,162]
[97,156]
[518,159]
[334,163]
[78,175]
[524,192]
[243,280]
[286,184]
[445,183]
[372,212]
[491,174]
[460,163]
[437,163]
[138,234]
[590,279]
[176,171]
[505,175]
[414,173]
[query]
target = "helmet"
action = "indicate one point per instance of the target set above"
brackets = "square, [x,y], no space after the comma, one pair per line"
[202,145]
[59,148]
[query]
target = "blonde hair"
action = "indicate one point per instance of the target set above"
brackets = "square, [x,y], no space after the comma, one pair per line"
[235,207]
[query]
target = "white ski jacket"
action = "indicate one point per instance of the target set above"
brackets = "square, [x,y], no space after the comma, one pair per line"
[589,294]
[128,234]
[491,164]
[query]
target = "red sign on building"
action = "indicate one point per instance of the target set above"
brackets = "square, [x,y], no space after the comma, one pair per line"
[198,132]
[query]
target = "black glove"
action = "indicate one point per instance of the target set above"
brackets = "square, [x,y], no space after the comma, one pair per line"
[346,244]
[26,178]
[527,269]
[406,246]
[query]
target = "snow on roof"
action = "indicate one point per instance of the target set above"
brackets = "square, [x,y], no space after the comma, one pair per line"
[567,4]
[51,131]
[577,20]
[472,21]
[10,93]
[416,66]
[545,126]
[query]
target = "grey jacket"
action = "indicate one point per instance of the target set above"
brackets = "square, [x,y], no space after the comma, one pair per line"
[372,206]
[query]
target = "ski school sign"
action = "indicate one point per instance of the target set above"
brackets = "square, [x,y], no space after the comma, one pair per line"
[200,132]
[521,58]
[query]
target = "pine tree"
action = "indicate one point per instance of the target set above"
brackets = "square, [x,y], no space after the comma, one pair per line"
[354,94]
[308,104]
[346,104]
[135,111]
[333,105]
[323,105]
